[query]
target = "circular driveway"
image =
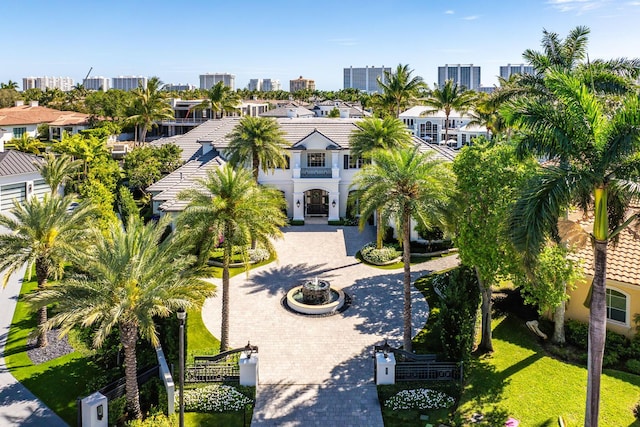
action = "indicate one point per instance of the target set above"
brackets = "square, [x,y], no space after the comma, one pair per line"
[316,354]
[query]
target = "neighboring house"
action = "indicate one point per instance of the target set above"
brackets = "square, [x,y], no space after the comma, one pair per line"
[25,119]
[430,125]
[316,181]
[623,282]
[19,178]
[347,110]
[289,110]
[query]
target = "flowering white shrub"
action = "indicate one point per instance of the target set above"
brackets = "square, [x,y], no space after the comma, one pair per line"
[420,398]
[214,398]
[258,254]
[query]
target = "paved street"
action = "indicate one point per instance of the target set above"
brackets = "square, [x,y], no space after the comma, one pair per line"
[319,371]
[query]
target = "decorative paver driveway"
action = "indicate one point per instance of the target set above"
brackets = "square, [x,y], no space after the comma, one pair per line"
[319,371]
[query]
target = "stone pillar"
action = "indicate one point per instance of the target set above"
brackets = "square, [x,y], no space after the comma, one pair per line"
[95,411]
[295,162]
[334,211]
[248,368]
[298,211]
[385,368]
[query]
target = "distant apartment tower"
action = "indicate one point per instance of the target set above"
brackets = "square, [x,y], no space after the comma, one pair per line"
[128,83]
[365,79]
[507,70]
[178,87]
[207,81]
[255,85]
[301,84]
[96,83]
[65,84]
[269,85]
[466,75]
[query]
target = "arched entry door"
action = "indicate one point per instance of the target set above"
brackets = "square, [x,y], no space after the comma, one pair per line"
[317,203]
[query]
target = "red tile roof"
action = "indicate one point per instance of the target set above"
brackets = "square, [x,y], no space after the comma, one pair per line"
[27,115]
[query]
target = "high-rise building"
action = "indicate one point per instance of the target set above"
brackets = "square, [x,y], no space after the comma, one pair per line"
[207,81]
[255,84]
[96,83]
[365,79]
[269,85]
[128,83]
[507,70]
[178,87]
[65,84]
[466,75]
[301,84]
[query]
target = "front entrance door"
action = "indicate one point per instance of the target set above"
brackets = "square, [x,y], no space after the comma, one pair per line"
[317,203]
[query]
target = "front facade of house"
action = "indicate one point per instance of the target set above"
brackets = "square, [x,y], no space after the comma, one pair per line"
[316,182]
[431,126]
[623,284]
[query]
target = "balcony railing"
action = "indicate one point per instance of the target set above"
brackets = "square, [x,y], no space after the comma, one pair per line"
[187,120]
[315,173]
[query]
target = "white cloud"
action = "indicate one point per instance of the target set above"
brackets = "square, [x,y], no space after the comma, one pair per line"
[471,18]
[578,6]
[449,12]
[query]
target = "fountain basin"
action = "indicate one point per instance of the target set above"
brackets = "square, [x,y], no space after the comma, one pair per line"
[296,304]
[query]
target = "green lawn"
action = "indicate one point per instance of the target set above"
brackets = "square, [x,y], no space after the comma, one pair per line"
[519,380]
[58,382]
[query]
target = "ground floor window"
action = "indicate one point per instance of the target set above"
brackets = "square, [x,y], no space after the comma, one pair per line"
[616,306]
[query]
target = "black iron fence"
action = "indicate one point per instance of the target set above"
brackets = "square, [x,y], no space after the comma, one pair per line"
[217,368]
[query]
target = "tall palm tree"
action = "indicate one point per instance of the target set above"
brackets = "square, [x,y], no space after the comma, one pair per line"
[259,141]
[594,147]
[43,234]
[405,184]
[220,99]
[450,97]
[373,135]
[400,89]
[9,85]
[56,171]
[566,54]
[229,207]
[486,112]
[149,105]
[130,277]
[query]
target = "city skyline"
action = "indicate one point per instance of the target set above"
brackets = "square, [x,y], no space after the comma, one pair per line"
[316,40]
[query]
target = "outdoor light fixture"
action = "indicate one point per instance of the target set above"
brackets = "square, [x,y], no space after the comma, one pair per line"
[182,315]
[298,203]
[333,203]
[386,348]
[249,349]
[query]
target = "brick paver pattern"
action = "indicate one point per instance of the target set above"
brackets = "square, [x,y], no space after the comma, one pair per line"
[319,371]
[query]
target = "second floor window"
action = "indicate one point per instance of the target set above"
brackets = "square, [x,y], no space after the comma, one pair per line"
[315,160]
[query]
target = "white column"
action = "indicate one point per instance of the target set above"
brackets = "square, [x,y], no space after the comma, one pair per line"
[95,411]
[298,206]
[385,368]
[334,211]
[248,368]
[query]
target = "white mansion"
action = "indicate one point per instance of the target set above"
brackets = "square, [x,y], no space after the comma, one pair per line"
[316,181]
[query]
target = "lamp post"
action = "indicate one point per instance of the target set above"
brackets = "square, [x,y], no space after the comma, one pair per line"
[182,315]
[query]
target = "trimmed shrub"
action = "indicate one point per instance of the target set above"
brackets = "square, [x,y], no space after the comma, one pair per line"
[633,366]
[577,333]
[258,254]
[379,256]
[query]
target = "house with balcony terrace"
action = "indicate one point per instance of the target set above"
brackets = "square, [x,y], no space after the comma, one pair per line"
[433,127]
[315,183]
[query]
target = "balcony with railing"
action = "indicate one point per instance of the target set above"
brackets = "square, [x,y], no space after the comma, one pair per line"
[315,173]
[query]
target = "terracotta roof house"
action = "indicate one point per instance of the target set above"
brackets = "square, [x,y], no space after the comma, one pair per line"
[316,181]
[25,119]
[19,178]
[623,282]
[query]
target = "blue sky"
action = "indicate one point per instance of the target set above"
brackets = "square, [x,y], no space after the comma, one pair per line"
[281,39]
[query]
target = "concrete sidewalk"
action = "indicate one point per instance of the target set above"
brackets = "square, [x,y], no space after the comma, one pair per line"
[18,406]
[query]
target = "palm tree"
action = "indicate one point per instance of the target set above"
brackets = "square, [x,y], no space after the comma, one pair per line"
[486,112]
[220,99]
[9,85]
[405,184]
[450,97]
[26,144]
[593,147]
[130,278]
[399,89]
[149,106]
[229,208]
[260,141]
[373,135]
[56,171]
[43,234]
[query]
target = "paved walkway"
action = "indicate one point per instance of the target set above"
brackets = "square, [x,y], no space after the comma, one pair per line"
[319,371]
[18,406]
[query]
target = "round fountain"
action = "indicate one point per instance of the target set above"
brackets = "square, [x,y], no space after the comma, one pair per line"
[315,297]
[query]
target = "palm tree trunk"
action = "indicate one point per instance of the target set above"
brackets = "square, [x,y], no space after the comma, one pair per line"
[128,338]
[42,275]
[406,261]
[256,166]
[226,260]
[597,333]
[378,229]
[446,128]
[486,343]
[558,318]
